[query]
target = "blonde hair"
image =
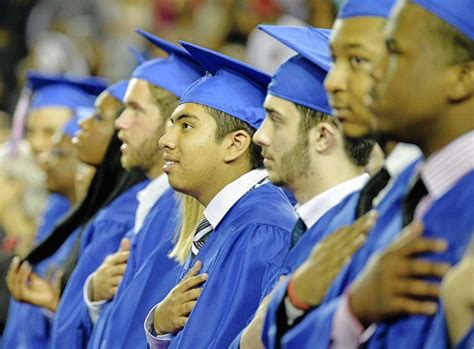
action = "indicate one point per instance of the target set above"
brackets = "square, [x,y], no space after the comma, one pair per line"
[191,215]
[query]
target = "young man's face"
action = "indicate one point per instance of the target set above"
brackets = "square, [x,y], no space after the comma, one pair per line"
[140,127]
[410,81]
[41,125]
[193,156]
[61,165]
[356,44]
[96,131]
[285,148]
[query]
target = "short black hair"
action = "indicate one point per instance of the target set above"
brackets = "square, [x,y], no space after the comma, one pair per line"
[358,150]
[226,124]
[166,100]
[456,47]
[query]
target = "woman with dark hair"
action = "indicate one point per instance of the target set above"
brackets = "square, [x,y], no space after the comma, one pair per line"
[107,212]
[55,99]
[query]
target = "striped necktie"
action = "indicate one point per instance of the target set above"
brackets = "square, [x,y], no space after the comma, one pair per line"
[203,230]
[298,230]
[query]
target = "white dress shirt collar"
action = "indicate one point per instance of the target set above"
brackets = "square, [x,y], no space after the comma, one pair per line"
[230,194]
[400,158]
[443,169]
[147,197]
[311,211]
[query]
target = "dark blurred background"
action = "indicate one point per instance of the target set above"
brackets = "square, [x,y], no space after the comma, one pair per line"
[93,36]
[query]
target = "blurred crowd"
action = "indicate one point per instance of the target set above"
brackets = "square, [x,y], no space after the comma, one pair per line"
[83,36]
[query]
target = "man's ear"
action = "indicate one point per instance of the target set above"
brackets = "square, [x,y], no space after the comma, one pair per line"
[322,136]
[237,143]
[461,82]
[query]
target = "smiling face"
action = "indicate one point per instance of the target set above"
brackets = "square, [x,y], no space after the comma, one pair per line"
[356,44]
[140,126]
[411,81]
[194,159]
[41,125]
[285,148]
[96,131]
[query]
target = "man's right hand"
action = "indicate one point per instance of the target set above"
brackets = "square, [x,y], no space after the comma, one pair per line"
[391,284]
[314,277]
[106,279]
[171,314]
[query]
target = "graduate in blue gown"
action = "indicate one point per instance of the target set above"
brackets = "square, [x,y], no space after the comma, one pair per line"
[150,273]
[99,238]
[108,183]
[55,91]
[359,23]
[444,180]
[246,230]
[51,91]
[313,43]
[327,198]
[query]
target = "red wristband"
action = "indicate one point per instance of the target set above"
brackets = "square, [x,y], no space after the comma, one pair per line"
[294,298]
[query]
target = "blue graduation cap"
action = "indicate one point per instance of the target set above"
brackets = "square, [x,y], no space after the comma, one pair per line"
[63,90]
[300,79]
[230,86]
[174,73]
[118,90]
[139,57]
[457,13]
[366,8]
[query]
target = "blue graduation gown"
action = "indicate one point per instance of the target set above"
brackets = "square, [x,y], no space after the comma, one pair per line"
[316,327]
[149,277]
[468,341]
[251,239]
[16,334]
[338,216]
[100,238]
[56,208]
[449,218]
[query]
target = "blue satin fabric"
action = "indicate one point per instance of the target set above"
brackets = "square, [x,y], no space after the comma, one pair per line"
[252,238]
[149,276]
[317,326]
[100,238]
